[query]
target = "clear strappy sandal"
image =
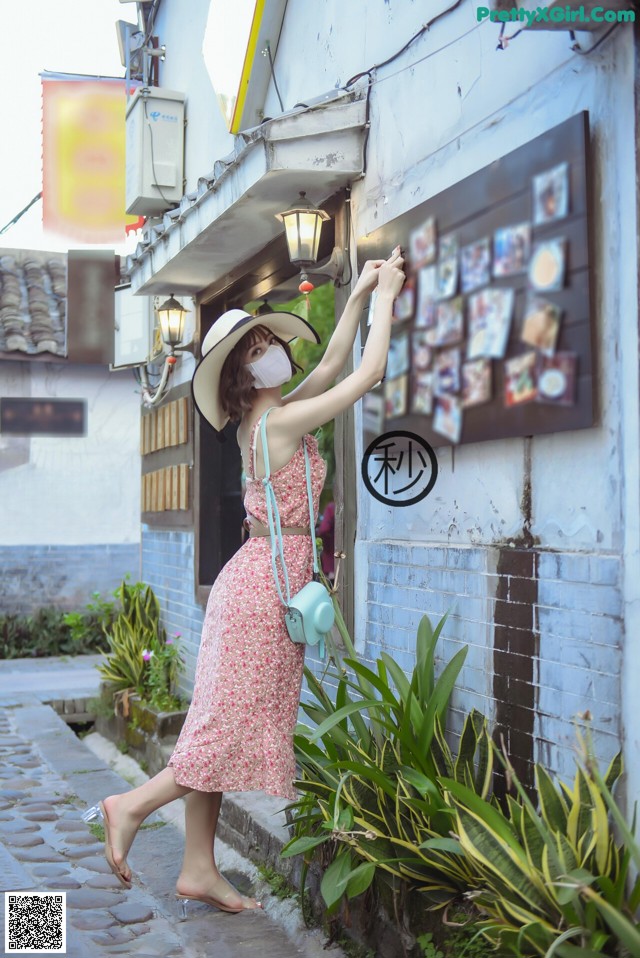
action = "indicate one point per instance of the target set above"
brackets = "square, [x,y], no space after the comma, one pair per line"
[208,900]
[98,813]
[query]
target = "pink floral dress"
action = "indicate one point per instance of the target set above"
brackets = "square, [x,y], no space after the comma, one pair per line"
[238,733]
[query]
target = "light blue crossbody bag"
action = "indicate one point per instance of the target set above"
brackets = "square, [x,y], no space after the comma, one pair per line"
[309,615]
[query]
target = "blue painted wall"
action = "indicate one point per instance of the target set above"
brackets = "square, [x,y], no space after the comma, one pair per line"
[33,577]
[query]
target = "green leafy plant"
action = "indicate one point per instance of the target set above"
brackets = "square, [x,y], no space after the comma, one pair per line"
[87,627]
[134,630]
[370,801]
[552,879]
[429,949]
[46,632]
[165,665]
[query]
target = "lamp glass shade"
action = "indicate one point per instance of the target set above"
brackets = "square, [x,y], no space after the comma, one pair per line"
[172,316]
[302,224]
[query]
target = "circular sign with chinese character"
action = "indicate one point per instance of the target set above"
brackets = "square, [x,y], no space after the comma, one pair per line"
[399,468]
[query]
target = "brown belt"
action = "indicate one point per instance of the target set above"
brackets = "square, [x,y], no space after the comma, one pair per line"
[259,529]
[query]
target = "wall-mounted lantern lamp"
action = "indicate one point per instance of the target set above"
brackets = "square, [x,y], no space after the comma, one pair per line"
[171,315]
[303,224]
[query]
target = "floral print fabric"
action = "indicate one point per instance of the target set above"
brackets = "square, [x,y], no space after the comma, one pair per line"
[238,733]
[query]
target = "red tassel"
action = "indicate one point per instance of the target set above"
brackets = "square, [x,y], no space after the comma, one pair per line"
[306,287]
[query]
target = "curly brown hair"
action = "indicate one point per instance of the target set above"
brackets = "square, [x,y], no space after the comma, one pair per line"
[237,392]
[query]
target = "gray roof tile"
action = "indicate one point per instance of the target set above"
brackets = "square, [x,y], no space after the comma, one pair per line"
[33,299]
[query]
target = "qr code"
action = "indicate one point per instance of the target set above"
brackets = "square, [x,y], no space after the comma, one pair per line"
[35,922]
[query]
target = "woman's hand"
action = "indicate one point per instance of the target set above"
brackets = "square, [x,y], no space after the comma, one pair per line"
[390,275]
[368,278]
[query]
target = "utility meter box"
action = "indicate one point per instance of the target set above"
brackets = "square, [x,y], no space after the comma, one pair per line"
[155,151]
[136,341]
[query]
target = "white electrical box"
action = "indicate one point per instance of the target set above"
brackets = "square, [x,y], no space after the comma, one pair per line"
[137,341]
[155,151]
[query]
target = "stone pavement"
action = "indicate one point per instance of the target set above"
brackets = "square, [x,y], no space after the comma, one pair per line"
[47,778]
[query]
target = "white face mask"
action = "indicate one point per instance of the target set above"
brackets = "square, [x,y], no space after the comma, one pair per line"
[271,369]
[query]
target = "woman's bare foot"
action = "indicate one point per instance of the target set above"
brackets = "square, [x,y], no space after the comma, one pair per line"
[213,886]
[123,826]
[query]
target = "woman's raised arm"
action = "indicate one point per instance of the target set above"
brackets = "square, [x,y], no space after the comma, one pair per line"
[341,343]
[296,418]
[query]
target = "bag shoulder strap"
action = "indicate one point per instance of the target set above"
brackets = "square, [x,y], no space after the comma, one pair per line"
[273,513]
[312,521]
[273,516]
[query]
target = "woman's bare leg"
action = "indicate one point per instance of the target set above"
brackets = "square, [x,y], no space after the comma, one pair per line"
[199,875]
[127,811]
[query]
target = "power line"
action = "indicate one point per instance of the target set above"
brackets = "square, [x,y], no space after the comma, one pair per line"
[15,219]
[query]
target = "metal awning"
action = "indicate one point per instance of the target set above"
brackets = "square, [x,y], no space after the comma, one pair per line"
[231,215]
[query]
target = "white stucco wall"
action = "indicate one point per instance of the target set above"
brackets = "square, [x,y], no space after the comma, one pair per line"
[76,490]
[449,106]
[181,26]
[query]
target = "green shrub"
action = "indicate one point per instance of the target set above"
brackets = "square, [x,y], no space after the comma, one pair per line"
[370,792]
[48,632]
[552,878]
[141,658]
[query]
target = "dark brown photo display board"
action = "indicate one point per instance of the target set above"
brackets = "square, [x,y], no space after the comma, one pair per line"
[492,334]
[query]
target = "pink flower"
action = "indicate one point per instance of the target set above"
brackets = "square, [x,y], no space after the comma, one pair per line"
[168,641]
[146,654]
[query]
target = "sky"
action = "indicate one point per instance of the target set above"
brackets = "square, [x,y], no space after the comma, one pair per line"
[65,36]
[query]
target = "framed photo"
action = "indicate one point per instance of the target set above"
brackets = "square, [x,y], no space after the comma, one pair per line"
[405,303]
[421,352]
[427,292]
[447,418]
[398,356]
[511,249]
[547,266]
[422,244]
[475,264]
[447,283]
[373,412]
[490,314]
[476,382]
[520,379]
[446,372]
[395,397]
[541,324]
[450,323]
[551,194]
[557,379]
[422,397]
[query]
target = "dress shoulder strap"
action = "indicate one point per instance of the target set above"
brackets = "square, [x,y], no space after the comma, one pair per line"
[253,442]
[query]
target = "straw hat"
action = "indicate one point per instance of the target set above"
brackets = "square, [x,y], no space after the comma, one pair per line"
[218,343]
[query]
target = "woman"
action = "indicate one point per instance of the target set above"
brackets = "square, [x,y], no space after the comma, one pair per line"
[238,732]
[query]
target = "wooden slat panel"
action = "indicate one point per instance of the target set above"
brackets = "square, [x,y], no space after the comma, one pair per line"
[159,429]
[183,498]
[175,488]
[166,415]
[153,430]
[160,493]
[183,412]
[167,488]
[173,426]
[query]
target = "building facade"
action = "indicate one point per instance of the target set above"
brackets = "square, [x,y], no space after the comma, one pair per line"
[69,446]
[530,541]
